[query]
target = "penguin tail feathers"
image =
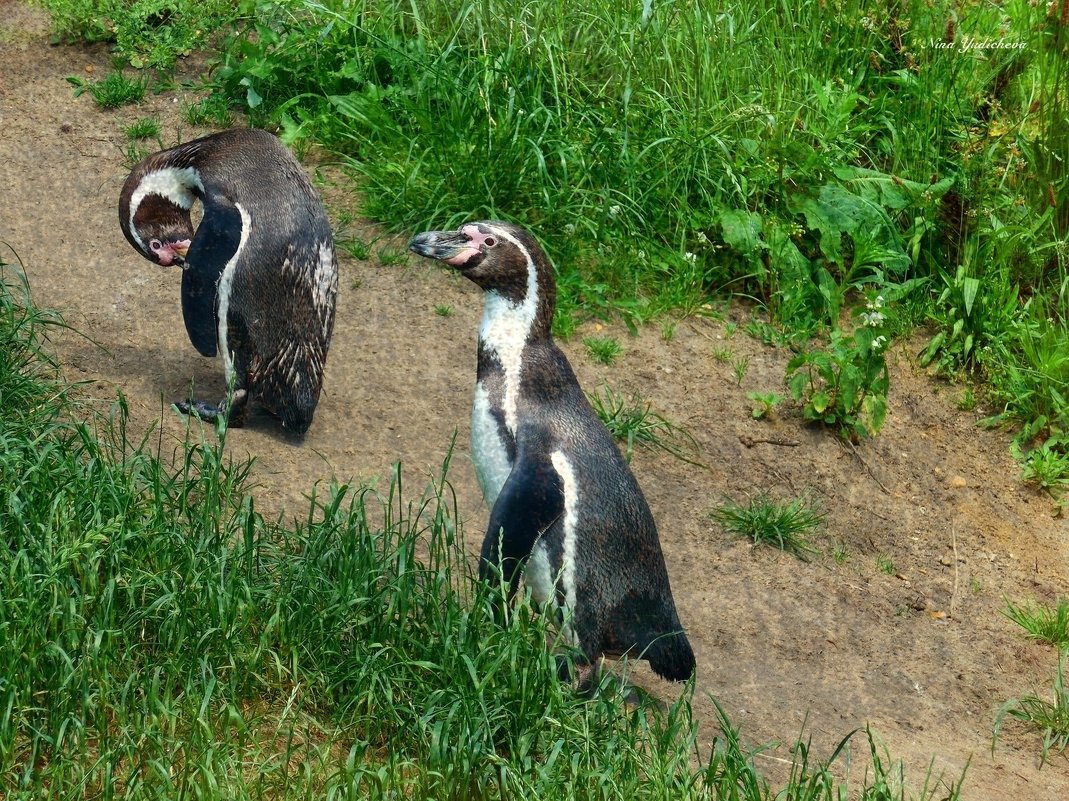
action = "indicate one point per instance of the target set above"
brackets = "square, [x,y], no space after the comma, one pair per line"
[671,657]
[297,421]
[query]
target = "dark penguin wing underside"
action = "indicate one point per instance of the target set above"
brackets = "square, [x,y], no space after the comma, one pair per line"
[530,502]
[214,245]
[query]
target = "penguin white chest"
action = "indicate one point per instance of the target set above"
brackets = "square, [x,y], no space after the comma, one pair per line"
[488,451]
[503,336]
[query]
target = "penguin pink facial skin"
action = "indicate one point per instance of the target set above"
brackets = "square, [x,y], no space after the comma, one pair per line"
[169,253]
[566,512]
[259,274]
[478,242]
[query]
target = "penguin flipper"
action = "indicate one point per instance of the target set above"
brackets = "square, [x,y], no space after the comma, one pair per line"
[215,244]
[530,502]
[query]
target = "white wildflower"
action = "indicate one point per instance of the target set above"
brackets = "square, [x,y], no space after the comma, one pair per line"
[614,209]
[703,238]
[879,342]
[690,257]
[569,228]
[872,318]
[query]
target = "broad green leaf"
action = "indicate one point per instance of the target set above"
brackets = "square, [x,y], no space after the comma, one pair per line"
[969,287]
[741,230]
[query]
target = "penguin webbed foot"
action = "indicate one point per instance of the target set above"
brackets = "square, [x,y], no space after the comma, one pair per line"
[590,680]
[232,409]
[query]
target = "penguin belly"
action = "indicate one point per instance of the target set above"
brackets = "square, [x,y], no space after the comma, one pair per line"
[488,449]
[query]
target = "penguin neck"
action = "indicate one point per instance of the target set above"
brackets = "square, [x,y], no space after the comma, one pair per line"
[509,327]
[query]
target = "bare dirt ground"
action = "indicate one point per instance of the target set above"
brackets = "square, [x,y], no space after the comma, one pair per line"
[923,654]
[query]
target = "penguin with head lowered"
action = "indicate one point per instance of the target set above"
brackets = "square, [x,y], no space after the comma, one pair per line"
[259,275]
[565,508]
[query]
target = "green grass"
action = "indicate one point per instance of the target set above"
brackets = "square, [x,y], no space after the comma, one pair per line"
[162,639]
[603,350]
[391,256]
[1043,623]
[145,33]
[668,153]
[781,524]
[1051,717]
[210,110]
[112,91]
[144,128]
[633,422]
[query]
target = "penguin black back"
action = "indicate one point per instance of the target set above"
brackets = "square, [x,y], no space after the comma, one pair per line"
[565,506]
[259,275]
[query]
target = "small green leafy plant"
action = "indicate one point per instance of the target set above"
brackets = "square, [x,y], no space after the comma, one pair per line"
[781,524]
[845,386]
[1047,466]
[971,312]
[765,403]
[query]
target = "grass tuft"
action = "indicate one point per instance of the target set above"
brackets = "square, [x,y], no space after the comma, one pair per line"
[113,91]
[781,524]
[1046,624]
[632,421]
[144,128]
[603,350]
[1051,717]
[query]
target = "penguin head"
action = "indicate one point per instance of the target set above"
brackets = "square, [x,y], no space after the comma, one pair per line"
[160,230]
[154,208]
[497,256]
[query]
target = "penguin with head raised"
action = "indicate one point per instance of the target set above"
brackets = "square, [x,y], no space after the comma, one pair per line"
[259,274]
[565,507]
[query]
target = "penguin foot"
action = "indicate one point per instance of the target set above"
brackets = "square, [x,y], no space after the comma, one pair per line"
[233,411]
[208,412]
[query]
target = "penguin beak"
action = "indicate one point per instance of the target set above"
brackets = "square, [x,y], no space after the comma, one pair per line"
[180,249]
[453,247]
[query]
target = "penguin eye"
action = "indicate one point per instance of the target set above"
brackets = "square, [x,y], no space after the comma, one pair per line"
[155,245]
[490,241]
